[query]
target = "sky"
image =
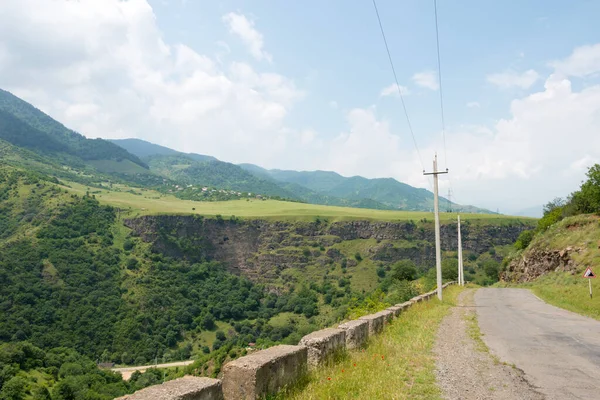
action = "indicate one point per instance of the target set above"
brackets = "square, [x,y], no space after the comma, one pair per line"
[308,85]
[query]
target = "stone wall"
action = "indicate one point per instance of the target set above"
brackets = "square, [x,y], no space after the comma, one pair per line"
[265,372]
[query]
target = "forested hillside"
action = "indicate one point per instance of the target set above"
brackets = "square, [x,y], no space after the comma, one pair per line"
[77,286]
[23,125]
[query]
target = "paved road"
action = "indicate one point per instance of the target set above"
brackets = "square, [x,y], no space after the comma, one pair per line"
[559,351]
[127,371]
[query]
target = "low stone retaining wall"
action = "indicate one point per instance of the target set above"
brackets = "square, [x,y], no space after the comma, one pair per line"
[323,344]
[357,333]
[186,388]
[264,372]
[267,371]
[375,323]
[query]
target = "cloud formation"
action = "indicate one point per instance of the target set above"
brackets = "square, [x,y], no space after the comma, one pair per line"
[103,68]
[241,26]
[426,79]
[392,90]
[584,61]
[511,79]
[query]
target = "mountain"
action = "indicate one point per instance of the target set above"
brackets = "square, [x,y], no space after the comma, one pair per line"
[23,125]
[198,169]
[143,149]
[184,169]
[385,192]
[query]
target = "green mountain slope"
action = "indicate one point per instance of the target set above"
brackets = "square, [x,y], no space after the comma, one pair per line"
[24,125]
[144,149]
[218,174]
[379,193]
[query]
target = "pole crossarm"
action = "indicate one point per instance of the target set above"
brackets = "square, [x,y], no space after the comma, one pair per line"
[435,173]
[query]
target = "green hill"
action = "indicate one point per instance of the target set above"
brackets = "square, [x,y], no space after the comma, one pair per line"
[382,193]
[24,125]
[144,149]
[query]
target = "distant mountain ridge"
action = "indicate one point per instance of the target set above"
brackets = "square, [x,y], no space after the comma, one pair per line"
[32,139]
[317,187]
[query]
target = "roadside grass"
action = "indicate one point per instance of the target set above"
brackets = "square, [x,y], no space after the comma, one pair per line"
[567,291]
[151,202]
[397,364]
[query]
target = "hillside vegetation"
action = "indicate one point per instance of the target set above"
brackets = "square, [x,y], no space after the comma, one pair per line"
[75,280]
[551,259]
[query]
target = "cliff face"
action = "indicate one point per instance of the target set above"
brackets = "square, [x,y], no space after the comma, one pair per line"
[537,262]
[262,249]
[570,245]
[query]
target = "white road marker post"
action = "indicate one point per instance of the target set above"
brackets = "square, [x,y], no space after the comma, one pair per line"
[438,250]
[589,274]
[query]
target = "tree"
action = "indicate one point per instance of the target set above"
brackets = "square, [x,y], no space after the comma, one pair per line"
[41,393]
[404,270]
[14,389]
[587,199]
[358,257]
[208,322]
[63,391]
[450,269]
[558,202]
[221,336]
[524,239]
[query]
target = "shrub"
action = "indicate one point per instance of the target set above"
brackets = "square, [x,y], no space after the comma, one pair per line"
[524,239]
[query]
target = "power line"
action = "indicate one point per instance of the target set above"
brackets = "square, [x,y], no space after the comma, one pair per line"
[398,85]
[437,38]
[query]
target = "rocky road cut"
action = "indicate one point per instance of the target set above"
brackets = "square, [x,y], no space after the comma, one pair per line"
[559,351]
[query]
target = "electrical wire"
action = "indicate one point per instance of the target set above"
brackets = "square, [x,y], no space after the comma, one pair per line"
[397,84]
[437,40]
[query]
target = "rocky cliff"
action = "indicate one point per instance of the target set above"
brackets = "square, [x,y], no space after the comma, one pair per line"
[567,246]
[537,262]
[262,249]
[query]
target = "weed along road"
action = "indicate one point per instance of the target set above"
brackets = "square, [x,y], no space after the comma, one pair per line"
[558,350]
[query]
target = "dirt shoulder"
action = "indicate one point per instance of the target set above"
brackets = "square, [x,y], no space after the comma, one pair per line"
[464,367]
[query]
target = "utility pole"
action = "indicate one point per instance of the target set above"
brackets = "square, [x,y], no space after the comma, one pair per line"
[436,210]
[461,272]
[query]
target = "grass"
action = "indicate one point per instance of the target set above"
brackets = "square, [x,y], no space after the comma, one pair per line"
[562,289]
[152,202]
[570,292]
[398,364]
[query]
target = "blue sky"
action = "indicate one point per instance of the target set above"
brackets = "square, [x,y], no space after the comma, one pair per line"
[300,85]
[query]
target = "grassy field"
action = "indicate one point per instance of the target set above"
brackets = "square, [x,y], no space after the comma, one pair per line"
[145,202]
[397,364]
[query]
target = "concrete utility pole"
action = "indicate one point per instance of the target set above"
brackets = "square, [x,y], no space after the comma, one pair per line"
[436,210]
[461,272]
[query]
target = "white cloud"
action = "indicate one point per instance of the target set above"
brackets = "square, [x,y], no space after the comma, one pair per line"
[58,59]
[241,26]
[473,104]
[426,79]
[392,90]
[584,61]
[510,79]
[173,95]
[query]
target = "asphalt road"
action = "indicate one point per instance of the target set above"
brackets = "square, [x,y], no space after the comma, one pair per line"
[558,350]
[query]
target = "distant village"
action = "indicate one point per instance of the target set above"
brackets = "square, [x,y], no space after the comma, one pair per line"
[205,193]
